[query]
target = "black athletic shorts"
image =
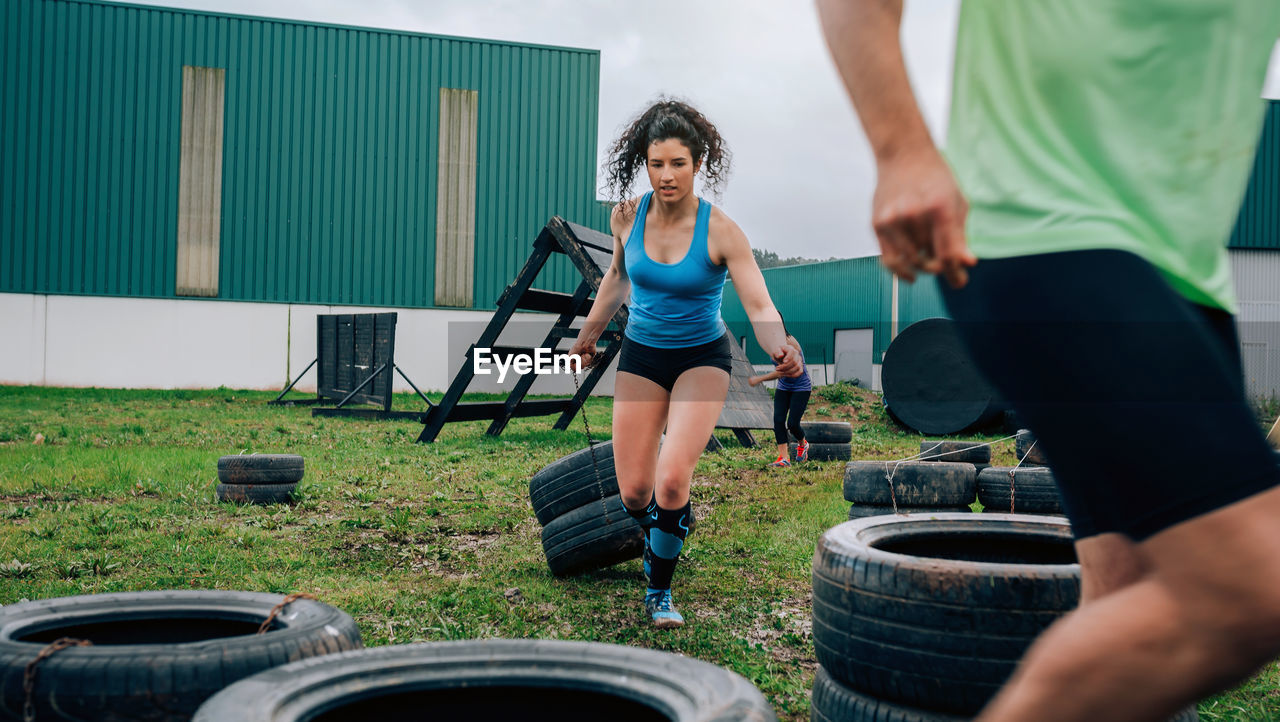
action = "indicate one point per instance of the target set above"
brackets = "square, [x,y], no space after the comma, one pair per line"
[664,365]
[1136,396]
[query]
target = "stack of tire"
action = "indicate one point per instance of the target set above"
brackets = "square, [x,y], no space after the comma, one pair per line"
[828,440]
[1028,488]
[584,525]
[259,478]
[917,487]
[922,619]
[153,655]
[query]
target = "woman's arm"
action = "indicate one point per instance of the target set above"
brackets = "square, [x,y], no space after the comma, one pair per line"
[732,245]
[614,290]
[757,380]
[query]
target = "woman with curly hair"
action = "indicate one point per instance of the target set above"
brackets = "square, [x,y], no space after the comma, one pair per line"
[672,251]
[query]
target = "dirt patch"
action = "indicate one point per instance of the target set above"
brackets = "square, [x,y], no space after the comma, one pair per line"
[786,632]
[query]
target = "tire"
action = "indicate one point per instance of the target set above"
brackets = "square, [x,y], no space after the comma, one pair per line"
[827,432]
[260,469]
[915,483]
[583,540]
[1034,490]
[943,631]
[532,680]
[570,482]
[834,702]
[1028,450]
[970,452]
[156,655]
[824,452]
[862,511]
[256,493]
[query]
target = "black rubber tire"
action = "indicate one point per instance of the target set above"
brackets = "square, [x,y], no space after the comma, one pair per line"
[1034,490]
[939,632]
[824,452]
[968,452]
[1028,450]
[256,493]
[570,482]
[931,383]
[583,540]
[260,469]
[539,680]
[834,702]
[827,432]
[915,483]
[862,511]
[122,678]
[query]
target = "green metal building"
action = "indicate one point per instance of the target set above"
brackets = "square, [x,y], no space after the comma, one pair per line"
[160,153]
[819,299]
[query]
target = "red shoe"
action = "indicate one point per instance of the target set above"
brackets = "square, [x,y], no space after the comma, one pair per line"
[802,451]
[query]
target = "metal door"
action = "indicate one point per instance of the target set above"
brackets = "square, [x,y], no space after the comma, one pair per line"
[854,355]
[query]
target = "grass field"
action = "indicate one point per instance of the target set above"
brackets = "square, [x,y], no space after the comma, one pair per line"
[425,542]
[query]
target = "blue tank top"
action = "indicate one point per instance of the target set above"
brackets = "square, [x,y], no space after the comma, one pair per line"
[674,305]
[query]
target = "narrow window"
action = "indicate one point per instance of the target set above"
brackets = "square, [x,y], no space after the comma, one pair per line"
[456,199]
[200,181]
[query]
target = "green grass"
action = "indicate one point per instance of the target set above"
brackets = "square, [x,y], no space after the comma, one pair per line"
[424,542]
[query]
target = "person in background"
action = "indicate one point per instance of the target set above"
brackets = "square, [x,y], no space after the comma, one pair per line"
[790,399]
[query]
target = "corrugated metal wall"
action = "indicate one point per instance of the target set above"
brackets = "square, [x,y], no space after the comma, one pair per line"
[329,173]
[1259,223]
[818,298]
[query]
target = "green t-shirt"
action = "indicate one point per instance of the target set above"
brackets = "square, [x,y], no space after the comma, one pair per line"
[1111,124]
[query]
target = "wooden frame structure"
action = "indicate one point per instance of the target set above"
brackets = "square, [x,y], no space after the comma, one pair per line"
[591,253]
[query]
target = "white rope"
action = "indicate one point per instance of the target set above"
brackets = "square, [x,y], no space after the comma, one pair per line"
[891,471]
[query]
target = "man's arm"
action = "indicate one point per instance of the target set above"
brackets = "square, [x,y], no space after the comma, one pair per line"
[918,211]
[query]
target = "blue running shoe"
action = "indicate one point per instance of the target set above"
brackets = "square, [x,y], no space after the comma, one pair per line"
[662,610]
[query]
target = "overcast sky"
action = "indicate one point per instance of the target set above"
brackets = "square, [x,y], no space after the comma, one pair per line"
[802,175]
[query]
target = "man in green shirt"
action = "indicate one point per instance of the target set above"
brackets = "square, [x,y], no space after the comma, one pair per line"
[1098,154]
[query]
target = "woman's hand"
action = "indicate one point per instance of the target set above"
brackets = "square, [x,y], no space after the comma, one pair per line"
[585,348]
[787,361]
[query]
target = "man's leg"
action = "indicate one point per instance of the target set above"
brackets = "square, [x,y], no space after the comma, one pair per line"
[1108,563]
[1205,617]
[1108,365]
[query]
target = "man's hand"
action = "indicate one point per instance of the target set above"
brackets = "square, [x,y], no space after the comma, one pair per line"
[918,213]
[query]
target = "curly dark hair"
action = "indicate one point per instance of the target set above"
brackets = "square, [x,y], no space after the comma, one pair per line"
[665,119]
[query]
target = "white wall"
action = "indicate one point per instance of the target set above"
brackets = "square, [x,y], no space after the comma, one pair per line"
[191,343]
[22,322]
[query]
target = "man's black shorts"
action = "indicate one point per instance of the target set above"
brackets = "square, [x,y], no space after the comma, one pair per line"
[1136,395]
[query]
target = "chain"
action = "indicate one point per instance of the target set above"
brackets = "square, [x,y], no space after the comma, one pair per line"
[888,476]
[1015,468]
[29,674]
[266,623]
[591,446]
